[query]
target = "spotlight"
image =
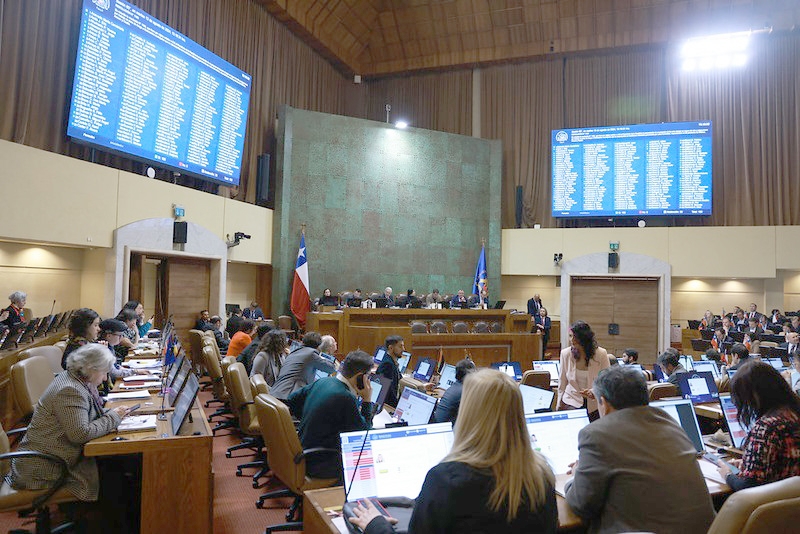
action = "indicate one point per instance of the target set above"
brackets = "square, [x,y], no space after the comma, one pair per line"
[401,125]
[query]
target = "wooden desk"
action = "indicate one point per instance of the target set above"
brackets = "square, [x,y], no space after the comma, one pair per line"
[710,410]
[149,406]
[177,479]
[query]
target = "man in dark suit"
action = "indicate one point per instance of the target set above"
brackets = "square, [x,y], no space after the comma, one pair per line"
[534,304]
[298,369]
[388,367]
[620,476]
[459,300]
[328,407]
[204,322]
[447,407]
[791,343]
[387,294]
[753,313]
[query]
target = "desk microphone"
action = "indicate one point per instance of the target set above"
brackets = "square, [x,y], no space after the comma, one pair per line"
[54,307]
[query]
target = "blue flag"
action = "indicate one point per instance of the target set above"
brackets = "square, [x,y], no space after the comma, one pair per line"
[481,281]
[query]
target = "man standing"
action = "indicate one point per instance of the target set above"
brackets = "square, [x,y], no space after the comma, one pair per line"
[633,460]
[447,407]
[328,407]
[388,367]
[534,304]
[298,368]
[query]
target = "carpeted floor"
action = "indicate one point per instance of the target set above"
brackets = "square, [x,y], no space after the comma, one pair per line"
[234,497]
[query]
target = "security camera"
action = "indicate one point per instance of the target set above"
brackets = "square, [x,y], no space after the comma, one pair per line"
[237,239]
[238,236]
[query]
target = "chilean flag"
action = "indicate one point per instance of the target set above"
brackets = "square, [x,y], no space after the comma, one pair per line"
[301,296]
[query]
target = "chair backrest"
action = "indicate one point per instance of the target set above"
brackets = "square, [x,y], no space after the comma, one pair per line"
[285,322]
[760,510]
[497,327]
[5,446]
[225,363]
[211,342]
[537,379]
[280,438]
[258,385]
[61,345]
[481,327]
[373,296]
[215,372]
[438,327]
[662,390]
[196,347]
[419,328]
[460,327]
[723,383]
[29,379]
[51,353]
[242,398]
[269,322]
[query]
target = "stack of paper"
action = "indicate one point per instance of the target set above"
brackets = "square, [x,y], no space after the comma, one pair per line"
[133,423]
[124,395]
[142,364]
[140,385]
[140,378]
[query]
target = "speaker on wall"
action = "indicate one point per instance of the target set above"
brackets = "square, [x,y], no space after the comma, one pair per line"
[265,192]
[613,260]
[179,232]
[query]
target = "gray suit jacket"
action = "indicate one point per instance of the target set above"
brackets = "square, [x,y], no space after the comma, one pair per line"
[298,371]
[637,471]
[65,418]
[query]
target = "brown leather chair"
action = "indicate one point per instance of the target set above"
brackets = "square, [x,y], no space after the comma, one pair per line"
[258,385]
[497,327]
[418,327]
[766,509]
[481,327]
[438,327]
[244,409]
[287,459]
[32,502]
[195,351]
[218,387]
[662,390]
[51,353]
[537,379]
[460,327]
[285,324]
[723,382]
[30,378]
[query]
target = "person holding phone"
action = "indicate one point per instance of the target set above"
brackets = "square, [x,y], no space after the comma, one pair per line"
[330,406]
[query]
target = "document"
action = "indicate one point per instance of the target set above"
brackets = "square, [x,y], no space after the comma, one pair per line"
[134,423]
[125,395]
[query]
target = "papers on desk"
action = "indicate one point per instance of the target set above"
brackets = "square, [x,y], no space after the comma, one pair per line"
[142,364]
[140,378]
[134,423]
[710,471]
[381,419]
[141,384]
[125,395]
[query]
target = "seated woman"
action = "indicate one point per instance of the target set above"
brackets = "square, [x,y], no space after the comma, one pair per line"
[271,352]
[767,405]
[492,480]
[327,299]
[68,415]
[708,320]
[580,364]
[142,326]
[15,313]
[242,338]
[131,336]
[84,327]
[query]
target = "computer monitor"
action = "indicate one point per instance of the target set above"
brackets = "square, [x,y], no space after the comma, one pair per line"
[682,410]
[707,366]
[414,407]
[179,384]
[658,373]
[499,305]
[424,369]
[552,366]
[735,428]
[385,467]
[174,368]
[380,388]
[402,362]
[380,352]
[447,377]
[330,300]
[555,435]
[184,403]
[319,373]
[44,324]
[687,362]
[381,302]
[328,357]
[698,386]
[26,334]
[512,369]
[536,400]
[64,319]
[777,363]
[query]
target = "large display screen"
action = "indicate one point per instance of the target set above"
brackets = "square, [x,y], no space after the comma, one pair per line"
[638,170]
[146,91]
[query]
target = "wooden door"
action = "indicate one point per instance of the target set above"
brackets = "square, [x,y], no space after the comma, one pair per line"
[188,291]
[632,303]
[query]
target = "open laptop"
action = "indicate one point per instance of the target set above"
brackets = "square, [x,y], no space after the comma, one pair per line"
[414,407]
[737,432]
[380,352]
[707,366]
[381,302]
[555,435]
[698,386]
[328,357]
[694,325]
[424,369]
[552,366]
[776,363]
[499,305]
[535,400]
[687,361]
[402,362]
[447,377]
[319,374]
[512,369]
[380,388]
[382,461]
[682,410]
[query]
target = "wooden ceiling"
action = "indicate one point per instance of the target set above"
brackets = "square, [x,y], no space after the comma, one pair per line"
[379,37]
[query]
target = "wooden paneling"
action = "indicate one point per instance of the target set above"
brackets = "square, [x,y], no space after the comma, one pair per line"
[264,289]
[187,292]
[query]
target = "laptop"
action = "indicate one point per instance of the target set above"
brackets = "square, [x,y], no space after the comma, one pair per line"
[380,388]
[424,369]
[694,325]
[687,361]
[402,362]
[737,432]
[319,373]
[707,366]
[380,352]
[174,368]
[777,363]
[682,410]
[448,377]
[376,463]
[512,369]
[499,305]
[555,436]
[552,366]
[179,383]
[328,357]
[536,400]
[414,407]
[698,386]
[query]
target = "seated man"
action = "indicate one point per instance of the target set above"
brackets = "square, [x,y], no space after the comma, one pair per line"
[633,462]
[791,343]
[459,300]
[447,408]
[216,327]
[630,356]
[328,407]
[387,294]
[433,298]
[670,364]
[204,322]
[253,312]
[234,322]
[388,367]
[328,345]
[355,299]
[298,368]
[739,356]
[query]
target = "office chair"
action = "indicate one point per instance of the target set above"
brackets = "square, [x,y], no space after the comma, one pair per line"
[537,379]
[373,296]
[761,510]
[244,408]
[30,378]
[287,459]
[419,328]
[32,502]
[481,327]
[51,353]
[662,390]
[496,327]
[460,327]
[218,387]
[258,385]
[723,383]
[438,327]
[61,345]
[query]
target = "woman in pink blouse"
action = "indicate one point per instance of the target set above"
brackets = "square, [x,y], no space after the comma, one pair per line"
[581,361]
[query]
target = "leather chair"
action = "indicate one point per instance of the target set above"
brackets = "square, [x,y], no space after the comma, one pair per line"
[285,324]
[30,378]
[764,509]
[32,502]
[401,301]
[537,379]
[269,322]
[195,351]
[258,385]
[497,328]
[472,300]
[244,409]
[662,390]
[61,345]
[723,383]
[460,327]
[438,327]
[481,327]
[419,328]
[218,386]
[373,296]
[51,353]
[287,459]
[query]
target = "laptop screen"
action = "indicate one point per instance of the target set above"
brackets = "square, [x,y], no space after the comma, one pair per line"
[682,410]
[707,366]
[735,428]
[448,376]
[402,362]
[536,399]
[777,363]
[512,369]
[698,386]
[328,357]
[385,467]
[658,373]
[414,407]
[687,362]
[731,372]
[424,369]
[548,365]
[380,388]
[380,352]
[319,373]
[555,435]
[184,403]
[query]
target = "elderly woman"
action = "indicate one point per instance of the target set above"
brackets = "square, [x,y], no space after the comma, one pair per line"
[14,314]
[68,415]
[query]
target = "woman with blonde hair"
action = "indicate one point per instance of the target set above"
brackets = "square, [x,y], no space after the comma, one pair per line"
[492,480]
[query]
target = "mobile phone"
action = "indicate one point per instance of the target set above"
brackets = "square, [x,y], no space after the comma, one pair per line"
[134,408]
[360,381]
[716,460]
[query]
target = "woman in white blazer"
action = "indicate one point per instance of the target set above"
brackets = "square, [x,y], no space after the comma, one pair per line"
[581,362]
